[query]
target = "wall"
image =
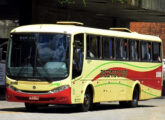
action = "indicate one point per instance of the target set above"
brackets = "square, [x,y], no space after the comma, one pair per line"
[158,5]
[50,11]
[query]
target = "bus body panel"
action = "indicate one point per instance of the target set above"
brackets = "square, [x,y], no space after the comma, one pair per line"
[116,80]
[63,97]
[22,91]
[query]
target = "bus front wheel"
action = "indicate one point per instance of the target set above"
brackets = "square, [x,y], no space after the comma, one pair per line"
[31,107]
[87,102]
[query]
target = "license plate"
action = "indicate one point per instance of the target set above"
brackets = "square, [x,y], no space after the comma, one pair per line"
[34,98]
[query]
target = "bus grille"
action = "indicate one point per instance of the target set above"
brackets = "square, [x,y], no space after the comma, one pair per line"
[34,92]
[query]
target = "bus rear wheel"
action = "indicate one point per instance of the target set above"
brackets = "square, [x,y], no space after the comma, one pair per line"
[87,102]
[134,102]
[135,99]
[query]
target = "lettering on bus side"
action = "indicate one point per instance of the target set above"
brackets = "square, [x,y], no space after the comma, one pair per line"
[113,73]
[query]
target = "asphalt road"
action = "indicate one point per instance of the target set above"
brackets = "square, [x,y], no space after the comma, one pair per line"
[147,110]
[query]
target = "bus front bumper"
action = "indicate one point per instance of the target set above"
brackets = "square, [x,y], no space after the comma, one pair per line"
[62,97]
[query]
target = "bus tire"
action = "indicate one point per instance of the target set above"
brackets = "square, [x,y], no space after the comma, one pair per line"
[135,98]
[123,103]
[87,102]
[31,107]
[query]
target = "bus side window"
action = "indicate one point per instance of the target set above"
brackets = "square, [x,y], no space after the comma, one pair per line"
[93,47]
[124,47]
[121,49]
[156,52]
[118,49]
[133,50]
[145,51]
[108,48]
[78,55]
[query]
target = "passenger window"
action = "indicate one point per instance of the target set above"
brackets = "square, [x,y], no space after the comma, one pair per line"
[156,52]
[145,51]
[121,49]
[78,55]
[134,50]
[108,48]
[93,47]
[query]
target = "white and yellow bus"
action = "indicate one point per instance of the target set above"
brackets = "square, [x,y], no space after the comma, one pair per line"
[69,64]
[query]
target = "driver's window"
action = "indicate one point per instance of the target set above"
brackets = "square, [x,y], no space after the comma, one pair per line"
[78,55]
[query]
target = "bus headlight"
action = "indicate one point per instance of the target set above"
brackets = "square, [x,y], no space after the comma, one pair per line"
[12,88]
[59,89]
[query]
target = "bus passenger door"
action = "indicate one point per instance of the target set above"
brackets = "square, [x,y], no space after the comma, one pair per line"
[77,66]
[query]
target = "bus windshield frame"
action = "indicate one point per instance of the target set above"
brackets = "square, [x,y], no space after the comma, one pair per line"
[39,56]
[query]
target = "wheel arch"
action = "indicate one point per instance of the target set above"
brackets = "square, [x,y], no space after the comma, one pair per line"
[137,85]
[91,89]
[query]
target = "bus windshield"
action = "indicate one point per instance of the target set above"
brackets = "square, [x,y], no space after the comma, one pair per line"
[39,56]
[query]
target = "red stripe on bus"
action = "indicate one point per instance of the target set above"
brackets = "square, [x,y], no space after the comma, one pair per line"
[151,78]
[62,97]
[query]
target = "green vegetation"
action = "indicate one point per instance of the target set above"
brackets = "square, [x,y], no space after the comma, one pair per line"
[71,2]
[62,2]
[121,1]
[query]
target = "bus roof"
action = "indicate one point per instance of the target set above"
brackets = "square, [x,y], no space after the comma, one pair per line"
[72,29]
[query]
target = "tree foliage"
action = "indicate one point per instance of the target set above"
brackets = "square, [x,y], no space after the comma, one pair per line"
[70,2]
[62,2]
[123,1]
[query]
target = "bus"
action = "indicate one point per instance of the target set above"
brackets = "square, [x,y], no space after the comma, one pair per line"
[66,63]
